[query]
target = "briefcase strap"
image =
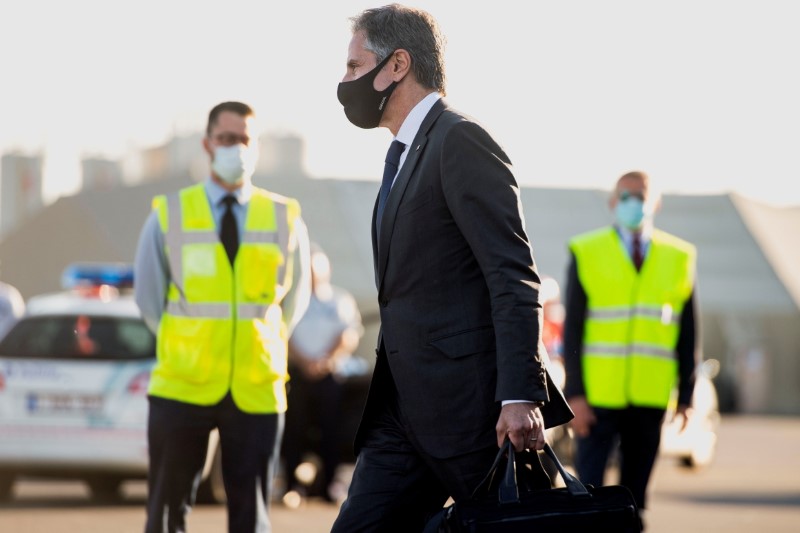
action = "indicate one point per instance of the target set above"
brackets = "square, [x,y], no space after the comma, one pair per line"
[573,484]
[508,488]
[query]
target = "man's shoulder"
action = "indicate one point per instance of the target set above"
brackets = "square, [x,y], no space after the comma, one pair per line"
[457,128]
[590,235]
[274,196]
[454,118]
[346,304]
[665,238]
[177,193]
[340,293]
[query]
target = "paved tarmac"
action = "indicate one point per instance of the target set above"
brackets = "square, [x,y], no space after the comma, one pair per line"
[753,485]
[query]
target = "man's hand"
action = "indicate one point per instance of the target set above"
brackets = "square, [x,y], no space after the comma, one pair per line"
[523,424]
[315,369]
[683,411]
[584,415]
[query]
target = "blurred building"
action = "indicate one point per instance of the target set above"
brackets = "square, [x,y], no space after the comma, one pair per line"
[748,281]
[281,154]
[99,173]
[20,189]
[182,155]
[185,156]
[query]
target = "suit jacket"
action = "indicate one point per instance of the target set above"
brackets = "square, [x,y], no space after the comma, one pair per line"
[458,292]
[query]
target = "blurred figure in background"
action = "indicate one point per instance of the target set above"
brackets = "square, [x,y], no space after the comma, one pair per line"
[559,437]
[629,336]
[320,349]
[553,322]
[12,306]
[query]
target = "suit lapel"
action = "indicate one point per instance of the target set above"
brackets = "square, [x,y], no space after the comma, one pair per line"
[383,240]
[375,241]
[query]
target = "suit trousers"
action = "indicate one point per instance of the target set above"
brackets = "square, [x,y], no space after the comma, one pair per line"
[397,487]
[178,435]
[637,431]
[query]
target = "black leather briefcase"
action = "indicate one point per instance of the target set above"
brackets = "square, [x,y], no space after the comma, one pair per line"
[512,499]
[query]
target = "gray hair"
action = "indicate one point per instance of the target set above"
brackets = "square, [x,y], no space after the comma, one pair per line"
[395,26]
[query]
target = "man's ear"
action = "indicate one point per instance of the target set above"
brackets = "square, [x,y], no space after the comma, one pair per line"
[657,204]
[401,64]
[207,147]
[612,200]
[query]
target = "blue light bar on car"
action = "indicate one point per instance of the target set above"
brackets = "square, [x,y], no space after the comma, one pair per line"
[78,275]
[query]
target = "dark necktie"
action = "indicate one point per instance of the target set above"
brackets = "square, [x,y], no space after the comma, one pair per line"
[229,232]
[389,172]
[638,258]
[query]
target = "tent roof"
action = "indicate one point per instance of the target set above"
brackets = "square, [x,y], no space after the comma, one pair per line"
[746,250]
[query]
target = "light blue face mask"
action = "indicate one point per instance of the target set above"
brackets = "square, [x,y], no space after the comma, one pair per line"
[630,213]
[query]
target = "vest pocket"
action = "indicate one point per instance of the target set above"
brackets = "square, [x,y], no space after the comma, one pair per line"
[259,264]
[188,348]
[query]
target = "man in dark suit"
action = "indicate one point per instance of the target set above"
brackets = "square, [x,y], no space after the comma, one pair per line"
[460,365]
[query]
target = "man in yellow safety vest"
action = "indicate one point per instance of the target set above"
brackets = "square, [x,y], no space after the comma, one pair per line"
[629,336]
[222,276]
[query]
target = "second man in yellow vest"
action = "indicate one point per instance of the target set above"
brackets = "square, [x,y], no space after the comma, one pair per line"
[629,336]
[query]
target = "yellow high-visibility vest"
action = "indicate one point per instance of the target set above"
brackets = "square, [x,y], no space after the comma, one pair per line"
[633,318]
[223,328]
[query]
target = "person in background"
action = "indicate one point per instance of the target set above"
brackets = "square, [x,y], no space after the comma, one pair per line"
[552,320]
[322,343]
[222,276]
[459,366]
[559,437]
[630,336]
[12,306]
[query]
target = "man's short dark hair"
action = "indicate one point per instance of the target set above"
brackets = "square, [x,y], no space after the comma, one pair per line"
[239,108]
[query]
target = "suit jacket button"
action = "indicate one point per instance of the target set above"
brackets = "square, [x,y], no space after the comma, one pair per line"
[384,303]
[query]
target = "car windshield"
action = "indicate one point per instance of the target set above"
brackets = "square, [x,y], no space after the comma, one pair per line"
[79,337]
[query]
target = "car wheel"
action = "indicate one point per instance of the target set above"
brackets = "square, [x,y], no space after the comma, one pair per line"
[212,489]
[104,488]
[6,486]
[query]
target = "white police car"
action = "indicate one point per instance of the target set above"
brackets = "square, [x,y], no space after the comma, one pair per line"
[74,372]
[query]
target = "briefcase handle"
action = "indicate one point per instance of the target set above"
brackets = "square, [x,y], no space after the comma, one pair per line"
[573,484]
[508,489]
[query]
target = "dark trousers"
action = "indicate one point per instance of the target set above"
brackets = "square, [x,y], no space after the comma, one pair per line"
[178,441]
[637,431]
[397,487]
[313,423]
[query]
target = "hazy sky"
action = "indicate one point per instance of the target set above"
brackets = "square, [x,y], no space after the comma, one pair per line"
[702,94]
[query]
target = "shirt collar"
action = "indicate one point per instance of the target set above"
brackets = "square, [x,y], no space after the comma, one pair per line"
[413,121]
[216,192]
[627,235]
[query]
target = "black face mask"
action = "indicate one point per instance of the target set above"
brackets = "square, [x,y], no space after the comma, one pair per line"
[363,105]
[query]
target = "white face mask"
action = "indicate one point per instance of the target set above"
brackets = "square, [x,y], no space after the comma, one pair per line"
[234,164]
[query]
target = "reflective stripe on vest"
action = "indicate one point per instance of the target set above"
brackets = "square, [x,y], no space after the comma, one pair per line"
[223,328]
[633,318]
